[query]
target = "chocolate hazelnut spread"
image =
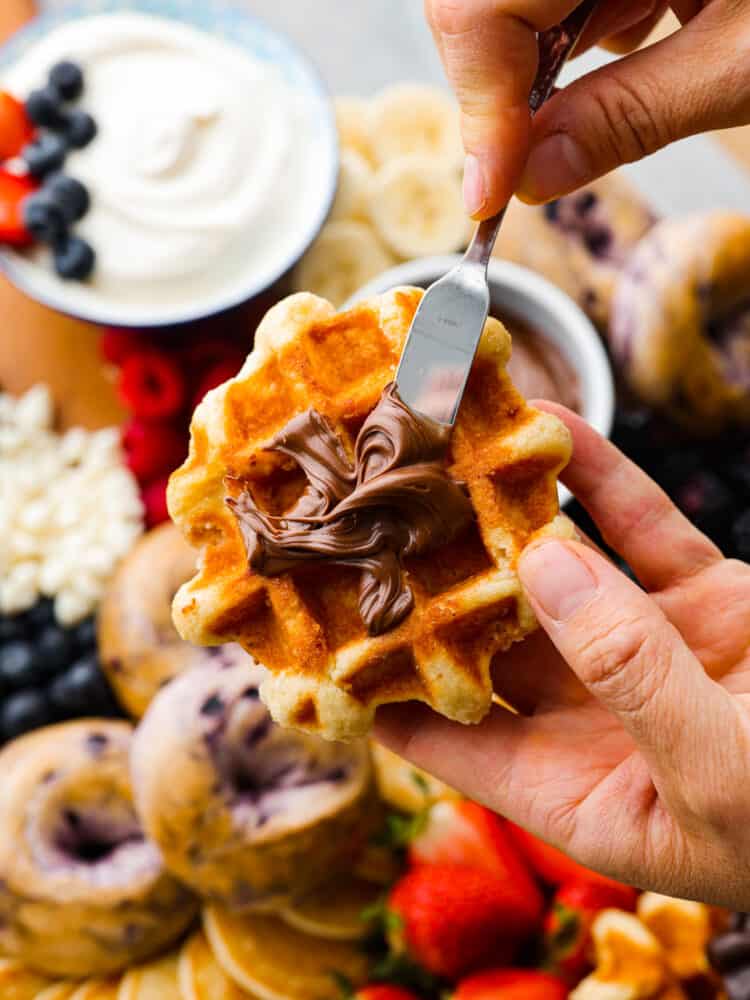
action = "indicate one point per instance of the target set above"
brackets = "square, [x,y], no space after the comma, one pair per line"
[539,370]
[394,500]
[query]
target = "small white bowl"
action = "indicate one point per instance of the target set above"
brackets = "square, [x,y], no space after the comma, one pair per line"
[518,293]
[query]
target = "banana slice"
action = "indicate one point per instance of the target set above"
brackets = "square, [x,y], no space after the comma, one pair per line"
[353,193]
[276,962]
[19,983]
[403,786]
[417,207]
[152,981]
[344,257]
[411,118]
[352,121]
[334,911]
[97,989]
[200,975]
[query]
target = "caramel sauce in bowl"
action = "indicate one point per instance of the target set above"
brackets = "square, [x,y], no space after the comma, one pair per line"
[557,352]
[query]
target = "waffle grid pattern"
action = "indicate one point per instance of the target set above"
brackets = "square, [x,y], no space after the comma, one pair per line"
[326,674]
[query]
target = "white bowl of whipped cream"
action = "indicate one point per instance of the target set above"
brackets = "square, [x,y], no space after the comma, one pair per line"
[214,165]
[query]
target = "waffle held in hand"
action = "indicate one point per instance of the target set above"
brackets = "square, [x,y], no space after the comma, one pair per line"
[308,441]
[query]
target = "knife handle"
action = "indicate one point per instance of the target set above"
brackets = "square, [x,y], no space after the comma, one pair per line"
[556,46]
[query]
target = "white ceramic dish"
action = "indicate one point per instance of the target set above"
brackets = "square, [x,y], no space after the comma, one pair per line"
[519,293]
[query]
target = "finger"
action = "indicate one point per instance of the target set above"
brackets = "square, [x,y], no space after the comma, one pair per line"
[489,51]
[634,36]
[686,10]
[630,657]
[695,80]
[635,516]
[612,19]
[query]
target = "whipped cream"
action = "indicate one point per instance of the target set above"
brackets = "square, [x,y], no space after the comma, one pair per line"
[207,170]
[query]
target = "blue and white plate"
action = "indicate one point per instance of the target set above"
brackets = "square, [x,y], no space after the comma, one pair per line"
[230,23]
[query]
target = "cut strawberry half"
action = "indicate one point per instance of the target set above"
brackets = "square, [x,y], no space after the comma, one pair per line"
[13,192]
[151,385]
[511,984]
[16,130]
[152,448]
[154,497]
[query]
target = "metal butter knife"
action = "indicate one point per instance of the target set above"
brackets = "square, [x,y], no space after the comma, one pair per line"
[445,332]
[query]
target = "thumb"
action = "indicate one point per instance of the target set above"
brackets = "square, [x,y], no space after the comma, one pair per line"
[632,660]
[696,80]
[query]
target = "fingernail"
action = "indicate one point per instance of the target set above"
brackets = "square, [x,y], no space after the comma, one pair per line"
[557,165]
[557,579]
[475,194]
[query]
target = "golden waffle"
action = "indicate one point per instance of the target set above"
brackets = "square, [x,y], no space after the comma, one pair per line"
[683,928]
[327,675]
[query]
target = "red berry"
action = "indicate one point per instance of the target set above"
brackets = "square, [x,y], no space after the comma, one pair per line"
[217,375]
[152,448]
[15,128]
[13,192]
[384,991]
[452,918]
[152,385]
[511,984]
[154,497]
[117,345]
[550,864]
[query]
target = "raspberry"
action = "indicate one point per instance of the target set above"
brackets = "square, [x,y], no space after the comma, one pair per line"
[152,385]
[217,375]
[152,448]
[117,345]
[154,498]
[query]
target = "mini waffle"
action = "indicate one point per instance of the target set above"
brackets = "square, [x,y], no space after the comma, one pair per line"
[327,674]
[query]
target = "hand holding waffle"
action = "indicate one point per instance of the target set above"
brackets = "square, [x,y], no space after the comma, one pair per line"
[633,705]
[693,81]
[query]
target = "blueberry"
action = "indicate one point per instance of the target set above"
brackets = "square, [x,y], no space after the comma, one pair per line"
[54,649]
[23,712]
[598,241]
[67,79]
[85,635]
[552,211]
[69,194]
[44,108]
[42,613]
[45,154]
[741,536]
[74,259]
[44,218]
[19,665]
[82,690]
[11,628]
[80,129]
[585,202]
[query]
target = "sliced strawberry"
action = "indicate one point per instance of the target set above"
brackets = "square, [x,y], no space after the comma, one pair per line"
[384,991]
[154,497]
[567,925]
[16,130]
[511,984]
[452,919]
[153,448]
[151,384]
[13,192]
[550,864]
[465,833]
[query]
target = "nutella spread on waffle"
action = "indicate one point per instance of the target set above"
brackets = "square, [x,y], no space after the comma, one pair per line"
[394,500]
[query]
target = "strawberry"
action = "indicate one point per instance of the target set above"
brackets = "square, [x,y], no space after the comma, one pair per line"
[15,128]
[151,384]
[384,991]
[511,984]
[453,918]
[13,192]
[465,833]
[152,448]
[551,865]
[567,926]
